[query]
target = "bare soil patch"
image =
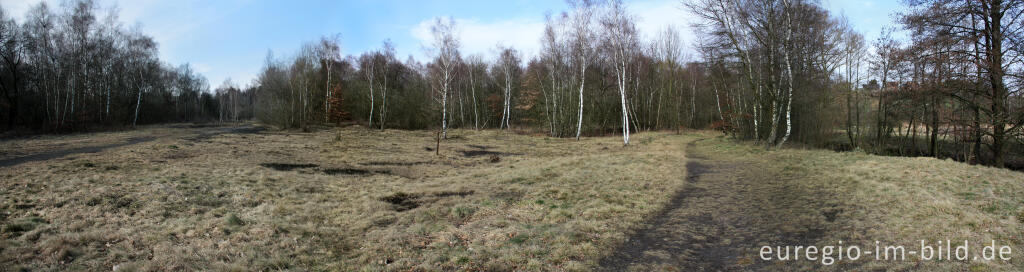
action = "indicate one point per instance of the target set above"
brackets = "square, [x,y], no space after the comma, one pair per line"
[478,153]
[354,171]
[329,171]
[395,163]
[402,201]
[288,166]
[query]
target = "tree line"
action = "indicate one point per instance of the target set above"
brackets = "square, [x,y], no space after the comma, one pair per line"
[76,67]
[594,75]
[789,69]
[959,77]
[770,71]
[765,78]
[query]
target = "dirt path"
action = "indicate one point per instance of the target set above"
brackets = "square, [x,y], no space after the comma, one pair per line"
[725,212]
[202,134]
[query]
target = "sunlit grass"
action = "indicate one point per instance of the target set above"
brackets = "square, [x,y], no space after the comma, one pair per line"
[382,200]
[545,203]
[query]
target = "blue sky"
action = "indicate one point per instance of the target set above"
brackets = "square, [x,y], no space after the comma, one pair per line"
[230,38]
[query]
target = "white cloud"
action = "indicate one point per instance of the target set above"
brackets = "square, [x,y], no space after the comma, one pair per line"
[201,67]
[129,13]
[17,9]
[482,38]
[168,22]
[525,34]
[156,23]
[171,23]
[654,16]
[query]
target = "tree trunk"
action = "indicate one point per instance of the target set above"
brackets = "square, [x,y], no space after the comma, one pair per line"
[693,102]
[327,95]
[444,105]
[472,89]
[932,145]
[384,102]
[995,67]
[789,72]
[138,104]
[579,118]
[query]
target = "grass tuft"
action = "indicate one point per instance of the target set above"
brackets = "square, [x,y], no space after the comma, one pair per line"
[234,221]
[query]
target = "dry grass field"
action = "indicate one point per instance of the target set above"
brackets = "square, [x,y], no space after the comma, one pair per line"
[357,199]
[336,200]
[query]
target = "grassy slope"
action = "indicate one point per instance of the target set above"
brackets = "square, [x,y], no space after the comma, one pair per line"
[561,205]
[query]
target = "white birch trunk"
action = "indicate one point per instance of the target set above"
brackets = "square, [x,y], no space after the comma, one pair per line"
[444,105]
[508,94]
[789,72]
[138,103]
[579,118]
[718,102]
[472,89]
[622,100]
[327,95]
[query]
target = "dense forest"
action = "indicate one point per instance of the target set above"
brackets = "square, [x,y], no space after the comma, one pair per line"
[771,71]
[72,68]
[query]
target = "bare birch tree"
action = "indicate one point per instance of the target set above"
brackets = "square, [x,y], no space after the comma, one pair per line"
[446,54]
[787,48]
[386,60]
[582,37]
[508,63]
[329,53]
[669,50]
[621,38]
[367,65]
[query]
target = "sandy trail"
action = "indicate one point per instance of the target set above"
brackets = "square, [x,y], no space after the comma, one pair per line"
[717,222]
